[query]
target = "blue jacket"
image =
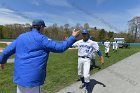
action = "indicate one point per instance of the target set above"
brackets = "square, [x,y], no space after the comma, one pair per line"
[31,55]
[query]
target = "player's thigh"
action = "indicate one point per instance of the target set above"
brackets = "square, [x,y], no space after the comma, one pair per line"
[86,68]
[105,50]
[80,66]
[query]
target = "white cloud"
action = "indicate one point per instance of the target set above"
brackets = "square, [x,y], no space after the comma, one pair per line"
[49,18]
[110,21]
[42,15]
[133,12]
[99,2]
[8,16]
[70,17]
[58,3]
[63,3]
[4,10]
[37,2]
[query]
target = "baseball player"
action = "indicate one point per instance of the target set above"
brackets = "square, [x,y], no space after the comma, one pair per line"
[115,46]
[86,48]
[107,46]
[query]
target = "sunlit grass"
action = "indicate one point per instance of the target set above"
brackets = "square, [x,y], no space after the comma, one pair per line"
[62,70]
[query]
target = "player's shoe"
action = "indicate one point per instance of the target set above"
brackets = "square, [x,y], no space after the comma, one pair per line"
[82,86]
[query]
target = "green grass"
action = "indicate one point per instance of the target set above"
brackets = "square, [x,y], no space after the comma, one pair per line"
[61,70]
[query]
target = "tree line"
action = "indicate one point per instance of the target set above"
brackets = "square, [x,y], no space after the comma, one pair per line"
[12,31]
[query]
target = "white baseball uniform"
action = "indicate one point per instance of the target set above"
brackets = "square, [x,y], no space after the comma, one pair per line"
[115,45]
[107,45]
[85,54]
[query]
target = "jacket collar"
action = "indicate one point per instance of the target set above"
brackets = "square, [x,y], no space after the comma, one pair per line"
[35,30]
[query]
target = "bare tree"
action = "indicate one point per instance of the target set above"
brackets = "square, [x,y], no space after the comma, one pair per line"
[134,28]
[86,26]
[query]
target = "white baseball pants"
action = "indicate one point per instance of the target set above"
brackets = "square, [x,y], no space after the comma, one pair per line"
[21,89]
[106,49]
[115,47]
[84,68]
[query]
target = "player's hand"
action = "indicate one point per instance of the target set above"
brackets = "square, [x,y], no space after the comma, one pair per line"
[102,60]
[2,66]
[76,32]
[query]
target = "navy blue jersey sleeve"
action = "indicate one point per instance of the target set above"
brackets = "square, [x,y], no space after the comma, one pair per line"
[99,53]
[7,52]
[53,46]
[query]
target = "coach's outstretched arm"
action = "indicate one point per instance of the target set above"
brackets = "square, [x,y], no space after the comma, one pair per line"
[53,46]
[7,52]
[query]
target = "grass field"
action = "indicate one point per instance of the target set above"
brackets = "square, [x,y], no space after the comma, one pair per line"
[62,70]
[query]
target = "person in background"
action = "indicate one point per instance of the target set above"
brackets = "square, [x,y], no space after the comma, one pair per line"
[107,47]
[115,46]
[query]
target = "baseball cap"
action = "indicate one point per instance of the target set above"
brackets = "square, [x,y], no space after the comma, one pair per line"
[38,22]
[85,31]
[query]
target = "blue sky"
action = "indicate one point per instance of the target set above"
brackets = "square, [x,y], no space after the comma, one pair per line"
[111,15]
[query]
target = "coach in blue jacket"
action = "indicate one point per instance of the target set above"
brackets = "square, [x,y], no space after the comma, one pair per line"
[31,51]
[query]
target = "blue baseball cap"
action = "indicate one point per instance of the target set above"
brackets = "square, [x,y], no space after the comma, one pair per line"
[38,22]
[85,31]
